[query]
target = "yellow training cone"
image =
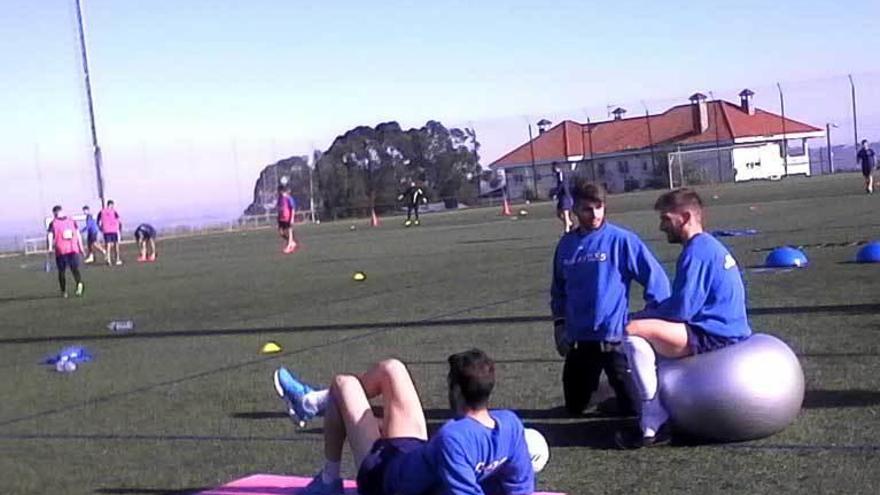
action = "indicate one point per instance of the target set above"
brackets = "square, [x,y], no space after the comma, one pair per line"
[270,348]
[359,276]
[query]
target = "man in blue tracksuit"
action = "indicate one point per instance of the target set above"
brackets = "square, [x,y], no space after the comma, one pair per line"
[706,311]
[592,270]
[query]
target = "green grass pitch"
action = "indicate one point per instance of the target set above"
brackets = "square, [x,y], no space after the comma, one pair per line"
[185,401]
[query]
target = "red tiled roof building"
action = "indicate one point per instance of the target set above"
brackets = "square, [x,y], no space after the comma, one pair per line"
[704,140]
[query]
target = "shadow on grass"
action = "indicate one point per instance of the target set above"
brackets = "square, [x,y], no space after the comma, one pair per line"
[167,491]
[829,399]
[594,434]
[849,309]
[25,298]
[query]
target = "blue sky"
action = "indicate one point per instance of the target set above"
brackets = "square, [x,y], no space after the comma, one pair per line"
[218,89]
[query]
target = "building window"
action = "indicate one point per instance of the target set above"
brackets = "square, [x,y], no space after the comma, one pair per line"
[623,167]
[644,166]
[518,179]
[601,168]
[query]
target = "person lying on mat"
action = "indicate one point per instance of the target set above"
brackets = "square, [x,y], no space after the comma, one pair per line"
[480,451]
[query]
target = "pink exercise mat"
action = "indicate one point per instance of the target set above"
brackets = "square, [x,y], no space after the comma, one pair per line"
[271,484]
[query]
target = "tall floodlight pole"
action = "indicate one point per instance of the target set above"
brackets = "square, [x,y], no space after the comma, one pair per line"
[85,62]
[852,86]
[534,168]
[784,139]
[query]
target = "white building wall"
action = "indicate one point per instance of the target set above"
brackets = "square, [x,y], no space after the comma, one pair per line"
[758,162]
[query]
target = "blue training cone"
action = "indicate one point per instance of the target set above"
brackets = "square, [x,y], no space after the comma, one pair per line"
[786,257]
[869,253]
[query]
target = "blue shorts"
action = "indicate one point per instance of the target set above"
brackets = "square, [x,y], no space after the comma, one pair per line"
[700,342]
[564,202]
[371,475]
[63,261]
[108,237]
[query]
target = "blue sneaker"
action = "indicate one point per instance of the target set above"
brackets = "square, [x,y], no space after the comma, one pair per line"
[318,487]
[292,391]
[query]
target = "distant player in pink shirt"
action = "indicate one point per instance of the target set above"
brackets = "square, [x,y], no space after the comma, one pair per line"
[286,208]
[111,229]
[65,240]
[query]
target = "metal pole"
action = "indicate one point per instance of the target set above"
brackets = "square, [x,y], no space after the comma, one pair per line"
[650,137]
[534,169]
[828,148]
[717,136]
[312,185]
[855,117]
[590,136]
[784,140]
[85,62]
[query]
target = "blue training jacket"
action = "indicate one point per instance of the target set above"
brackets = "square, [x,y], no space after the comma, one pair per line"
[708,290]
[592,271]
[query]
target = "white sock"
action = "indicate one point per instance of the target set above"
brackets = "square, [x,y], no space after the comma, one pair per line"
[642,364]
[653,416]
[643,367]
[330,473]
[316,400]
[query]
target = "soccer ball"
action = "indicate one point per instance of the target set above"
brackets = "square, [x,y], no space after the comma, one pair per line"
[359,276]
[539,451]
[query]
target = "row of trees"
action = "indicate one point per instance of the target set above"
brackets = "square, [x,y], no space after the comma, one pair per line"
[369,166]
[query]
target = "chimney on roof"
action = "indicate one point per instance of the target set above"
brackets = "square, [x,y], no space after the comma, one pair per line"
[746,101]
[699,112]
[618,113]
[543,125]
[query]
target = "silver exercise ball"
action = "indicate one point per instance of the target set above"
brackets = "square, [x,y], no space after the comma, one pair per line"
[745,391]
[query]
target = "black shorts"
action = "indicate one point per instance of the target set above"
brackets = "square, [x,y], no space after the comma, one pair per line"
[867,170]
[64,261]
[92,238]
[111,237]
[371,474]
[700,342]
[564,202]
[283,224]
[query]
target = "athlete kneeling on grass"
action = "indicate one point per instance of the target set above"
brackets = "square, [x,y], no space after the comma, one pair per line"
[481,451]
[593,269]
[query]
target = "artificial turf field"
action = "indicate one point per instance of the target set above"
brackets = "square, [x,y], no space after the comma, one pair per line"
[185,401]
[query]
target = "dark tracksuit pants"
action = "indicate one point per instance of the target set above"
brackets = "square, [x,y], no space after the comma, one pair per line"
[584,365]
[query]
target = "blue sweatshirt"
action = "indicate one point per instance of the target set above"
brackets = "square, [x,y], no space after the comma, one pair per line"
[592,271]
[91,226]
[708,290]
[467,458]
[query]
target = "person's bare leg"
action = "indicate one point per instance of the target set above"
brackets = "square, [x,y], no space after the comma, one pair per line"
[569,224]
[334,433]
[403,415]
[360,426]
[668,338]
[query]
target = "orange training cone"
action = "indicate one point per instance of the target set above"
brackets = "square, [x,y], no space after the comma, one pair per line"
[505,208]
[374,221]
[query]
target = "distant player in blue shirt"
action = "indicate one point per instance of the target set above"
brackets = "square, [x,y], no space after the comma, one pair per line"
[564,201]
[707,311]
[90,230]
[482,451]
[589,296]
